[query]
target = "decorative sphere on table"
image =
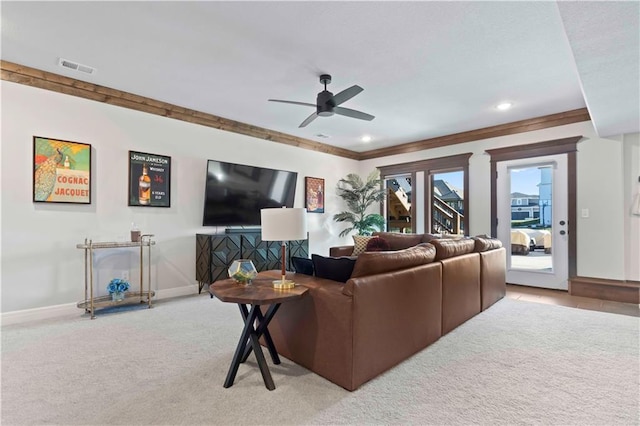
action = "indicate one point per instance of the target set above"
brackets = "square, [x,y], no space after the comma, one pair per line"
[242,271]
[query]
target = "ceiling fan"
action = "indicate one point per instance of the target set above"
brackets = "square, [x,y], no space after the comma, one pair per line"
[327,103]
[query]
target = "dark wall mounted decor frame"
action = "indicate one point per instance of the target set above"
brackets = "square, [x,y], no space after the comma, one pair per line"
[314,194]
[149,180]
[61,171]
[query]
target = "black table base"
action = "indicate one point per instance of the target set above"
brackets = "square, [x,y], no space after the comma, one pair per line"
[251,334]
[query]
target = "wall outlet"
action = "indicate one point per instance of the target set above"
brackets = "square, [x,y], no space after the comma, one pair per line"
[125,275]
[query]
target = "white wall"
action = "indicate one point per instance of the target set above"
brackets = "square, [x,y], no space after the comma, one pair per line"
[602,247]
[41,265]
[631,154]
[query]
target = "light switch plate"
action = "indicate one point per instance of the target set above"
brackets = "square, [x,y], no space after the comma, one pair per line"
[585,213]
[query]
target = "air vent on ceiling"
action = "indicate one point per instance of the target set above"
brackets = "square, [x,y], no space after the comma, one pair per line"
[65,63]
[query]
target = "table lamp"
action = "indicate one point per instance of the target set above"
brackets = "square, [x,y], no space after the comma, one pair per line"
[282,224]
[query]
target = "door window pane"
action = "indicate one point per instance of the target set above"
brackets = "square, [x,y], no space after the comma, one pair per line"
[531,219]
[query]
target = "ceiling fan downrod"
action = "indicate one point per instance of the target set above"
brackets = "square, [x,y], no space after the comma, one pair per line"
[324,101]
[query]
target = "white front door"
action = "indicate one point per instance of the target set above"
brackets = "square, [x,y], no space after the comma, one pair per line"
[532,220]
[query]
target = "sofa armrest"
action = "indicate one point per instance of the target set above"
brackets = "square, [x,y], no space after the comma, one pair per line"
[339,251]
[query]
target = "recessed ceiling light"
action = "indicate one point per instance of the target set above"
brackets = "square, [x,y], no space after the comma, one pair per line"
[504,106]
[366,138]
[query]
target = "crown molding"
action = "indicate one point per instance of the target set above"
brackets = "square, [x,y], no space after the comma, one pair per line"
[49,81]
[553,120]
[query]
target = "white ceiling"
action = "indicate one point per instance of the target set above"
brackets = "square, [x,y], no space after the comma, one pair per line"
[428,69]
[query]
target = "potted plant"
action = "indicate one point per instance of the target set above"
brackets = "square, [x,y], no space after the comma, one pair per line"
[359,195]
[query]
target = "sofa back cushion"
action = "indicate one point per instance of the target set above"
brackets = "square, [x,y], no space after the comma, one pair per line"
[398,241]
[428,237]
[446,248]
[302,265]
[333,268]
[371,263]
[484,243]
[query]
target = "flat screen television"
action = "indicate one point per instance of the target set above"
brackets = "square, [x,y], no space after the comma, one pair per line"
[235,193]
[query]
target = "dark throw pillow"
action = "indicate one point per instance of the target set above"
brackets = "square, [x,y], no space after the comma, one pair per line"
[302,265]
[378,244]
[333,268]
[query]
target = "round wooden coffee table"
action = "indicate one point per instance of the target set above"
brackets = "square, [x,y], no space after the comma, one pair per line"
[260,292]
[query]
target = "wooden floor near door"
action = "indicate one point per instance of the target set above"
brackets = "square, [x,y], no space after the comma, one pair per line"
[563,298]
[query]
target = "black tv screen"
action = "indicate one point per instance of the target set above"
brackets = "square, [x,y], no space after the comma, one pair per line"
[235,193]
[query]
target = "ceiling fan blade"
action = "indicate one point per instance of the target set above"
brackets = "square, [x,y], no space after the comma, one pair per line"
[292,102]
[353,113]
[309,119]
[347,94]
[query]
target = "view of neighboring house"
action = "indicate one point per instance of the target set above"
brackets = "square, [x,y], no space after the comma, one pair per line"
[524,206]
[448,193]
[531,206]
[448,206]
[544,189]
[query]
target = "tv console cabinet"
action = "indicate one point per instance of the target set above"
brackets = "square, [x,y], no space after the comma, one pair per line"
[216,252]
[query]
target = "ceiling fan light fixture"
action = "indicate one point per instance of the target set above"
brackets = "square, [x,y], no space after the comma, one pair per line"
[504,106]
[327,104]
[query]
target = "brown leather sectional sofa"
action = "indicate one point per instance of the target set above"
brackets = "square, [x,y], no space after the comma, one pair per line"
[395,304]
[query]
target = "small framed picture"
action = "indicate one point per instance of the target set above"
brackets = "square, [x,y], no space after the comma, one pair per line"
[149,180]
[61,171]
[314,194]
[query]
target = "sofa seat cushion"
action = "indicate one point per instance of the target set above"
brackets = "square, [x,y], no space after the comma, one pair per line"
[398,241]
[446,248]
[333,268]
[371,263]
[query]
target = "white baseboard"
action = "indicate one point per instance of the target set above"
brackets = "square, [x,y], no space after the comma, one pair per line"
[176,292]
[46,312]
[55,311]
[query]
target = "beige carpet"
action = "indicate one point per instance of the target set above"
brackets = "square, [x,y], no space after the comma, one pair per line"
[517,363]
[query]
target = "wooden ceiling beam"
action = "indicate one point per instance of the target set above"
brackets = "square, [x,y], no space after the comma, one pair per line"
[49,81]
[553,120]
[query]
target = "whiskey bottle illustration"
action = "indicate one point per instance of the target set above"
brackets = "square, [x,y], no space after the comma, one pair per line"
[144,187]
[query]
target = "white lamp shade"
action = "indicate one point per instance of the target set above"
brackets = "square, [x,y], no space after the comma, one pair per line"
[283,224]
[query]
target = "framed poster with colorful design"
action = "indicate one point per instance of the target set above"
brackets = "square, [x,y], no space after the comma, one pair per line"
[314,194]
[149,180]
[61,171]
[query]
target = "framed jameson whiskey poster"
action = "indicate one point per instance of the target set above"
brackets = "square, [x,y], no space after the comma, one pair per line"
[149,180]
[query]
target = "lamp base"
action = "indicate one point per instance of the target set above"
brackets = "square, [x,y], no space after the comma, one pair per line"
[283,284]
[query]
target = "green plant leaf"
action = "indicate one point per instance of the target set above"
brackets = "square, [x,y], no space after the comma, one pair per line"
[360,195]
